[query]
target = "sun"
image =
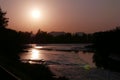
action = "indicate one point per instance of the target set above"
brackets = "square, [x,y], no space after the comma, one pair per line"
[36,14]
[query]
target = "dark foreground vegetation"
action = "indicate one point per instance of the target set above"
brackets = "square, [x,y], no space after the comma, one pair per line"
[107,49]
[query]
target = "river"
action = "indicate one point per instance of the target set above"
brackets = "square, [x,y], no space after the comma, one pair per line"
[68,60]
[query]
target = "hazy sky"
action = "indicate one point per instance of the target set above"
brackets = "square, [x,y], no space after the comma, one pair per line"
[63,15]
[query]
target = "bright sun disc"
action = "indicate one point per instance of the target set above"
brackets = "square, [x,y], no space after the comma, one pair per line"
[36,14]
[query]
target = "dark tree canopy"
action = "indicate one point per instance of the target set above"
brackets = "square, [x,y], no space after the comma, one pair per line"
[3,19]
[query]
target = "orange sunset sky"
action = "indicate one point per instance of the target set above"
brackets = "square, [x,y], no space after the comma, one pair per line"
[62,15]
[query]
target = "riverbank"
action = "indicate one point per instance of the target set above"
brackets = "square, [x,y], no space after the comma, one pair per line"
[86,73]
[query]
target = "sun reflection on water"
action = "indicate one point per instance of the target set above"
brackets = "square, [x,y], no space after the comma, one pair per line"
[35,54]
[38,47]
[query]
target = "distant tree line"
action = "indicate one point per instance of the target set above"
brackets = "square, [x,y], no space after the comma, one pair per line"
[44,37]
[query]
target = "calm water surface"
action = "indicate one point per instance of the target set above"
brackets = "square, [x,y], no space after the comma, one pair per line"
[63,59]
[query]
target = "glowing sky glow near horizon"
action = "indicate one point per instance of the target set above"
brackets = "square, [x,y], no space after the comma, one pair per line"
[62,15]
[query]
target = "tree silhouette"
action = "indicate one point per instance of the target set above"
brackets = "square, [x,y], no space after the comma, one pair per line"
[107,49]
[3,19]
